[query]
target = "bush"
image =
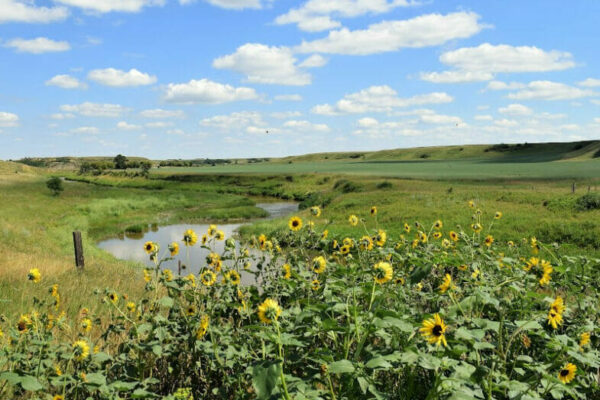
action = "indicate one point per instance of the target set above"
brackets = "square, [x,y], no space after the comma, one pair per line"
[385,185]
[55,184]
[590,201]
[347,186]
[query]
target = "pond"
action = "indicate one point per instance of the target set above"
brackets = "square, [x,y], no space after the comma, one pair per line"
[131,247]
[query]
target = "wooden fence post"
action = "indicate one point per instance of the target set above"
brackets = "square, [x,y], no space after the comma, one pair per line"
[79,261]
[179,267]
[573,188]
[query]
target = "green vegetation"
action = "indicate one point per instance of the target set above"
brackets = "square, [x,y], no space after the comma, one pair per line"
[55,185]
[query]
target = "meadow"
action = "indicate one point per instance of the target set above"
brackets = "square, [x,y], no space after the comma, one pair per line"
[457,284]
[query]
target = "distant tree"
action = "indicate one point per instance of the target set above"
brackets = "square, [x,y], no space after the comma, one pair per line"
[120,162]
[146,166]
[55,184]
[85,167]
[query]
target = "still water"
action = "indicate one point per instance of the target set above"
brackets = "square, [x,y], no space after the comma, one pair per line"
[131,247]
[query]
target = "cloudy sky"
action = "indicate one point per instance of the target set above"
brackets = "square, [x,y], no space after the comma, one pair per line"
[248,78]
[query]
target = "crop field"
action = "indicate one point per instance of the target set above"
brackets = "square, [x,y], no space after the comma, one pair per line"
[452,284]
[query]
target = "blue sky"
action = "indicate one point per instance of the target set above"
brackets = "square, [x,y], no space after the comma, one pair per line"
[210,78]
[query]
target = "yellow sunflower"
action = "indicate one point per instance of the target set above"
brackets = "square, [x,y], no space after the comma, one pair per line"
[447,284]
[295,224]
[220,235]
[345,249]
[546,273]
[471,204]
[584,339]
[24,323]
[498,215]
[86,325]
[434,330]
[204,239]
[315,285]
[81,349]
[58,397]
[131,307]
[438,224]
[208,278]
[319,264]
[203,328]
[287,271]
[233,277]
[373,211]
[316,211]
[353,219]
[174,249]
[380,238]
[489,239]
[147,275]
[269,311]
[113,297]
[383,272]
[567,373]
[190,238]
[423,237]
[190,310]
[150,247]
[406,228]
[437,235]
[34,275]
[476,227]
[324,234]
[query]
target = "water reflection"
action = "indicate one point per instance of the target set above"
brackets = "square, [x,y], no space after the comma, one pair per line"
[130,246]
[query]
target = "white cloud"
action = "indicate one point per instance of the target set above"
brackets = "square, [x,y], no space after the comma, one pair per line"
[8,120]
[288,97]
[61,116]
[207,92]
[515,110]
[590,82]
[232,4]
[378,99]
[66,82]
[305,126]
[89,130]
[38,45]
[482,62]
[264,64]
[439,119]
[88,109]
[423,31]
[483,118]
[234,121]
[314,61]
[123,125]
[456,76]
[285,114]
[158,125]
[117,78]
[506,123]
[499,85]
[20,11]
[160,113]
[367,122]
[547,90]
[595,101]
[315,15]
[106,6]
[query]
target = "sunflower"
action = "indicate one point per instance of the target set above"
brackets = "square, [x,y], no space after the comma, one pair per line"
[262,241]
[476,273]
[567,373]
[498,215]
[533,262]
[366,243]
[437,235]
[81,349]
[345,249]
[86,325]
[131,307]
[287,271]
[511,243]
[113,297]
[204,239]
[463,267]
[324,234]
[233,277]
[203,328]
[212,230]
[150,247]
[58,397]
[318,264]
[295,224]
[446,243]
[190,238]
[220,235]
[584,339]
[383,272]
[168,275]
[400,281]
[423,237]
[191,278]
[24,323]
[316,211]
[558,305]
[438,224]
[147,276]
[546,274]
[476,227]
[415,243]
[269,311]
[348,242]
[373,211]
[406,228]
[434,330]
[353,219]
[380,238]
[208,278]
[174,249]
[447,284]
[34,275]
[247,265]
[190,310]
[471,204]
[489,239]
[315,285]
[554,319]
[535,246]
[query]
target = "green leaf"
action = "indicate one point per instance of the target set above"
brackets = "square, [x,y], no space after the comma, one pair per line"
[378,362]
[10,377]
[95,379]
[341,367]
[166,302]
[264,378]
[30,383]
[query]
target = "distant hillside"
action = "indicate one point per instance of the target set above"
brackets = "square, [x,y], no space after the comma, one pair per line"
[526,152]
[68,163]
[9,167]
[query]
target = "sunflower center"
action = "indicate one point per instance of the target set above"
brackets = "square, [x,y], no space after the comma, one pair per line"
[437,330]
[564,372]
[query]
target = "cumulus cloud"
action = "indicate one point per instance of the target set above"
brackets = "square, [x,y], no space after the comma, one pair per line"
[264,64]
[117,78]
[483,118]
[89,130]
[473,64]
[88,109]
[515,110]
[547,90]
[378,99]
[316,15]
[234,121]
[285,114]
[423,31]
[288,97]
[305,126]
[314,61]
[106,6]
[28,12]
[207,92]
[125,126]
[232,4]
[499,85]
[38,45]
[590,82]
[161,114]
[158,125]
[61,116]
[66,82]
[8,120]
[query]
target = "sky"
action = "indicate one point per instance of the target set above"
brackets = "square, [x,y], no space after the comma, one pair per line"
[267,78]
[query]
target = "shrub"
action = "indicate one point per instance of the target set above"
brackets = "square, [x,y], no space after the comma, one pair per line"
[385,185]
[347,186]
[55,184]
[590,201]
